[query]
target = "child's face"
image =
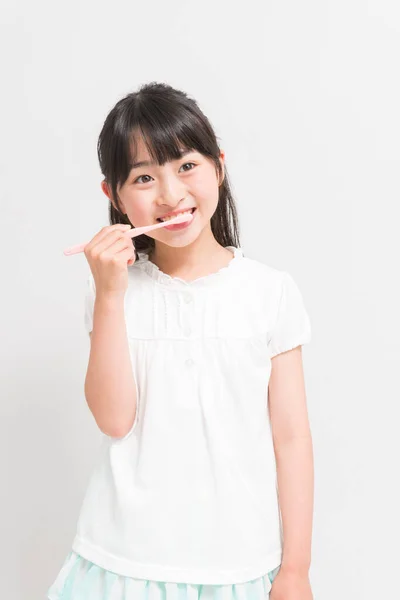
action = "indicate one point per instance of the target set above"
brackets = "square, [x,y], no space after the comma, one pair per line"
[153,191]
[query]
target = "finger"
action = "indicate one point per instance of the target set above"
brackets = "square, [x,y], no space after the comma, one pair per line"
[127,255]
[124,256]
[113,250]
[108,240]
[105,231]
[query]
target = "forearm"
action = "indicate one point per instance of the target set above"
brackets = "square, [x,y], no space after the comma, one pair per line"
[110,389]
[295,474]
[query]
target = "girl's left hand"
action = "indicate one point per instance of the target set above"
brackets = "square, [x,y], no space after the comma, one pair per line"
[291,586]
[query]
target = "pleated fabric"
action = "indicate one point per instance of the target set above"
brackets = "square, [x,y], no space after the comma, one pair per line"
[80,579]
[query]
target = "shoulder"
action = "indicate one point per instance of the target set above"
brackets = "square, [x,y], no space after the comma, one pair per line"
[266,276]
[273,287]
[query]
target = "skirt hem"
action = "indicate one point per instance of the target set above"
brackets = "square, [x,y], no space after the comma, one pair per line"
[80,579]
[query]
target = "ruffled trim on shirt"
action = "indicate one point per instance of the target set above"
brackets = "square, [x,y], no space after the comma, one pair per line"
[80,579]
[155,273]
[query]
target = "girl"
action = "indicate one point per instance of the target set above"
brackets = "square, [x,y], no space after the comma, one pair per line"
[195,379]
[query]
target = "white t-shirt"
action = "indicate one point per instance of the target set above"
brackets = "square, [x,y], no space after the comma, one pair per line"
[189,494]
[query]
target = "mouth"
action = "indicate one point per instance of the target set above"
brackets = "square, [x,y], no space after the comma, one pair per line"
[183,212]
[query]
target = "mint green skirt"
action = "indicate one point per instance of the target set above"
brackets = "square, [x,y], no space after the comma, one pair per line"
[80,579]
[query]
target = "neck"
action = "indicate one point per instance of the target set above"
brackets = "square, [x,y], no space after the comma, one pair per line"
[192,259]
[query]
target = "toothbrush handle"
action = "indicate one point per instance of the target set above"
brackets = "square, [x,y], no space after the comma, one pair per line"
[135,231]
[74,249]
[81,247]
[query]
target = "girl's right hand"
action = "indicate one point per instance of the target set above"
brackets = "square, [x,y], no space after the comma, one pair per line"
[109,253]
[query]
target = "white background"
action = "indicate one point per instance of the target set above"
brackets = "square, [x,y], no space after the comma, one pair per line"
[305,98]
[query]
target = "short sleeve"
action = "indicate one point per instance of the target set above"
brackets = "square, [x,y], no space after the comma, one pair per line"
[89,303]
[292,326]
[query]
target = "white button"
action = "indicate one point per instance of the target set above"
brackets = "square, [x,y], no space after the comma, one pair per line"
[189,362]
[188,298]
[187,331]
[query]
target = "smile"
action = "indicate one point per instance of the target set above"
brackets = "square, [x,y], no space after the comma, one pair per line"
[164,219]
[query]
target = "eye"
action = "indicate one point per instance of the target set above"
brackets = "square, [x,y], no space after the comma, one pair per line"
[137,180]
[189,163]
[192,165]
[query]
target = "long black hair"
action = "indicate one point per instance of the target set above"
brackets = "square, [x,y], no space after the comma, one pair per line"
[167,119]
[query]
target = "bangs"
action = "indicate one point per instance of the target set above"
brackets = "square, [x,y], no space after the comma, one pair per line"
[168,133]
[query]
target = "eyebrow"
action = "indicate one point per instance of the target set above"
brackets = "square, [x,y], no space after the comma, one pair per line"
[148,163]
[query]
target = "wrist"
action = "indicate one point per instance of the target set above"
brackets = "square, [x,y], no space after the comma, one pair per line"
[110,299]
[297,568]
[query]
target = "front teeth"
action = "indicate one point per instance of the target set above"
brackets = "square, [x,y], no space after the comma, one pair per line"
[187,212]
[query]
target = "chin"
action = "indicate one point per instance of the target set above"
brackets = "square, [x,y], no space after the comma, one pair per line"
[178,243]
[177,239]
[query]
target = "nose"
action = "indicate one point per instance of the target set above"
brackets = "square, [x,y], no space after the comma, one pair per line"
[172,191]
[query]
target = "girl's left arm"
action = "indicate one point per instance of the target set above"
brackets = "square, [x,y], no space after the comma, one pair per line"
[294,460]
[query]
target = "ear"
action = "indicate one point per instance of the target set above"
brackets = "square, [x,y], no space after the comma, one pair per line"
[106,189]
[222,161]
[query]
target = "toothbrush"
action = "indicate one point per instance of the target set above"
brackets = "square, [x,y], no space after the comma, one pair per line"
[135,232]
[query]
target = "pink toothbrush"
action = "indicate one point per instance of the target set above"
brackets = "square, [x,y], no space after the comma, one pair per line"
[135,232]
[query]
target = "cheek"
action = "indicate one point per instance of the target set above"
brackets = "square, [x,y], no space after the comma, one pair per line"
[205,187]
[138,211]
